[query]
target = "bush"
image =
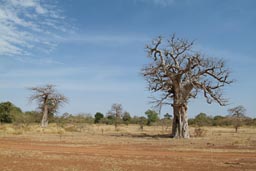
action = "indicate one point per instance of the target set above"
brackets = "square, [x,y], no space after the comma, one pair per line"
[203,120]
[97,117]
[152,116]
[126,118]
[28,118]
[9,112]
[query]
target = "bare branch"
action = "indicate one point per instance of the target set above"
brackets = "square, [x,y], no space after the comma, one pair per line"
[47,95]
[180,73]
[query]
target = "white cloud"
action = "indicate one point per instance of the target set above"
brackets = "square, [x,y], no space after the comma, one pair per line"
[27,24]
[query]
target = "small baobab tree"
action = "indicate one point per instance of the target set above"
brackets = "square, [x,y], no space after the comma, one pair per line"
[237,115]
[48,99]
[177,73]
[116,112]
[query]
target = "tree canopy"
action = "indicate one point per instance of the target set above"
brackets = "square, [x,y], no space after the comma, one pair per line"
[9,112]
[152,116]
[98,116]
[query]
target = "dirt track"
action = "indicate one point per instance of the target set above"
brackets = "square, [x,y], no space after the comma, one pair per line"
[118,154]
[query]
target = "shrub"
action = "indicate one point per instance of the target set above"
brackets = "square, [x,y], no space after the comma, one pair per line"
[97,117]
[152,116]
[9,112]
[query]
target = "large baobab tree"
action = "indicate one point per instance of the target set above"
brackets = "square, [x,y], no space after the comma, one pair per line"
[48,99]
[178,73]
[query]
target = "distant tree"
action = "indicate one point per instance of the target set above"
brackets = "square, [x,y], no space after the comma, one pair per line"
[29,117]
[142,121]
[166,121]
[202,120]
[167,116]
[221,121]
[48,99]
[152,116]
[9,112]
[126,118]
[237,114]
[135,120]
[253,122]
[75,120]
[116,112]
[83,118]
[63,119]
[178,73]
[106,120]
[97,117]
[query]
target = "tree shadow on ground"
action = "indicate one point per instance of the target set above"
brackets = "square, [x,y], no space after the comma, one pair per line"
[141,135]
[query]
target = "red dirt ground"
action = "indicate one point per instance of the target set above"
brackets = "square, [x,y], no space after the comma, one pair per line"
[23,154]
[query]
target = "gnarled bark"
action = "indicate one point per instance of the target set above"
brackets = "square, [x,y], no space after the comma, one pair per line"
[180,127]
[44,122]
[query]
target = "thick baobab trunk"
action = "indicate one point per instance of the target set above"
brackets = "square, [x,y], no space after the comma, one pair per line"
[44,122]
[180,121]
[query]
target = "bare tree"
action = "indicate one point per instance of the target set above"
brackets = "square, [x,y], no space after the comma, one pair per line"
[48,99]
[116,112]
[178,73]
[237,114]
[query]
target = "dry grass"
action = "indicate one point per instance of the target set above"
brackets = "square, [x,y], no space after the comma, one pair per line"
[246,136]
[100,147]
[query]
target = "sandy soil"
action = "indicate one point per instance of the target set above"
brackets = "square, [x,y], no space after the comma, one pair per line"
[118,152]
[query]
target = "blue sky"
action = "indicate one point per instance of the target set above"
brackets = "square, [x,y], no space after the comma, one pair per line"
[93,50]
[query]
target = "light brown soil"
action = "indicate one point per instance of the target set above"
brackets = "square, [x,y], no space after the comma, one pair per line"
[119,152]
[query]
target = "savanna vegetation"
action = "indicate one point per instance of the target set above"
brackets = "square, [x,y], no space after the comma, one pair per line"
[9,113]
[119,140]
[74,142]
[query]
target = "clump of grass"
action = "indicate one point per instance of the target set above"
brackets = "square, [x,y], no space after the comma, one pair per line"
[9,129]
[54,130]
[71,128]
[199,132]
[51,129]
